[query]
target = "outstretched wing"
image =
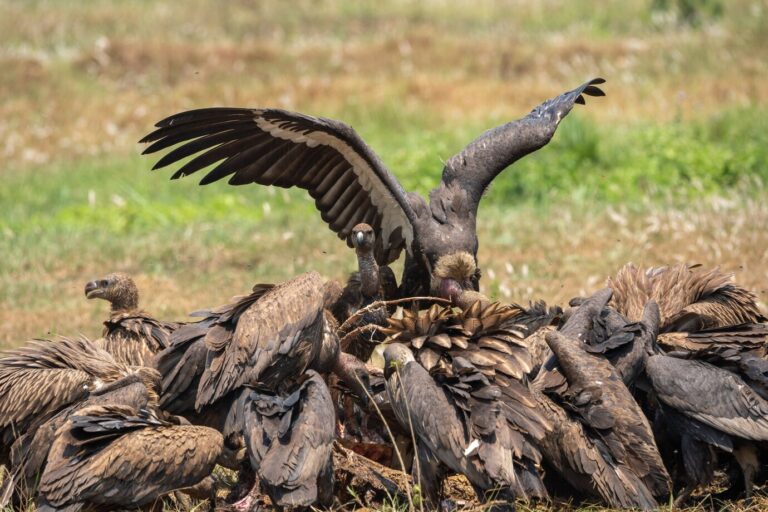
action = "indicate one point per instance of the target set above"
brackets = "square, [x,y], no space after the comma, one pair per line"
[275,147]
[487,156]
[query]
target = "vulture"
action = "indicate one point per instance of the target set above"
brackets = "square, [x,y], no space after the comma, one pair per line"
[350,184]
[131,335]
[458,422]
[613,448]
[118,456]
[183,362]
[369,285]
[42,383]
[284,332]
[689,297]
[264,342]
[289,433]
[624,343]
[486,338]
[704,408]
[740,349]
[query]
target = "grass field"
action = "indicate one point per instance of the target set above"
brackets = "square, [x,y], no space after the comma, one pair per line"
[671,166]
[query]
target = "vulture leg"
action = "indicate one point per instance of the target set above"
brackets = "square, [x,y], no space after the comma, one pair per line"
[746,457]
[429,475]
[698,466]
[325,483]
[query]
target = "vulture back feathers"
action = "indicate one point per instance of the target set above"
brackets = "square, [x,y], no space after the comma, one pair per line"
[289,435]
[690,298]
[284,332]
[112,456]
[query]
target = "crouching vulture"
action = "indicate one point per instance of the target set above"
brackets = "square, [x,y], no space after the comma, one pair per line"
[602,443]
[448,342]
[458,421]
[131,335]
[117,456]
[290,434]
[266,341]
[42,383]
[704,409]
[351,185]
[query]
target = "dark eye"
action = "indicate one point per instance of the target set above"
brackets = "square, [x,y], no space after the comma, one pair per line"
[103,283]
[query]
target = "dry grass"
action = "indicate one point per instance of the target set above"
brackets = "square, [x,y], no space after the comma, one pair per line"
[89,79]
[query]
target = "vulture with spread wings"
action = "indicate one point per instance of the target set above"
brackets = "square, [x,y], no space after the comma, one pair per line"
[350,184]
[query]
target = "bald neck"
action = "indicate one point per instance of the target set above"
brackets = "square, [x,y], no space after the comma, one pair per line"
[369,273]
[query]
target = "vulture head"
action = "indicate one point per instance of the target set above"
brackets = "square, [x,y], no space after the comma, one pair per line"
[454,274]
[117,288]
[363,238]
[396,355]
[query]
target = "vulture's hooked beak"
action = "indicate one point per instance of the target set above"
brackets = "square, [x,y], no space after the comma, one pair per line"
[449,289]
[92,290]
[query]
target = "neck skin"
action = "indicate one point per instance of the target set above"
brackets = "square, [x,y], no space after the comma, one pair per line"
[125,303]
[369,273]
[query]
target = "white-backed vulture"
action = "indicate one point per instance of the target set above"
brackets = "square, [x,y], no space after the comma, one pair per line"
[485,337]
[690,298]
[592,391]
[350,184]
[704,407]
[458,422]
[290,434]
[130,334]
[114,456]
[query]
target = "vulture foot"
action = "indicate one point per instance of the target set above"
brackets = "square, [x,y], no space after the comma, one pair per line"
[252,502]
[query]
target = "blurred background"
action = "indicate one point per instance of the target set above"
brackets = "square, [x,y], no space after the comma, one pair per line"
[671,166]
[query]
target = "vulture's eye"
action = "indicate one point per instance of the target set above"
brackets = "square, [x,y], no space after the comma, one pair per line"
[103,283]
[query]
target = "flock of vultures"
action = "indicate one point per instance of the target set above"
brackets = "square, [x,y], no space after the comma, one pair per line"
[651,389]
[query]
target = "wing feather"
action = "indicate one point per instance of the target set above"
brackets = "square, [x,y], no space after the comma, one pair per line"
[273,326]
[276,147]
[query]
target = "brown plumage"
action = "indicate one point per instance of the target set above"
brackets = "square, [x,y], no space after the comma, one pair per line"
[592,390]
[703,407]
[487,338]
[40,378]
[741,349]
[131,335]
[43,382]
[457,418]
[586,464]
[119,456]
[182,364]
[282,334]
[690,298]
